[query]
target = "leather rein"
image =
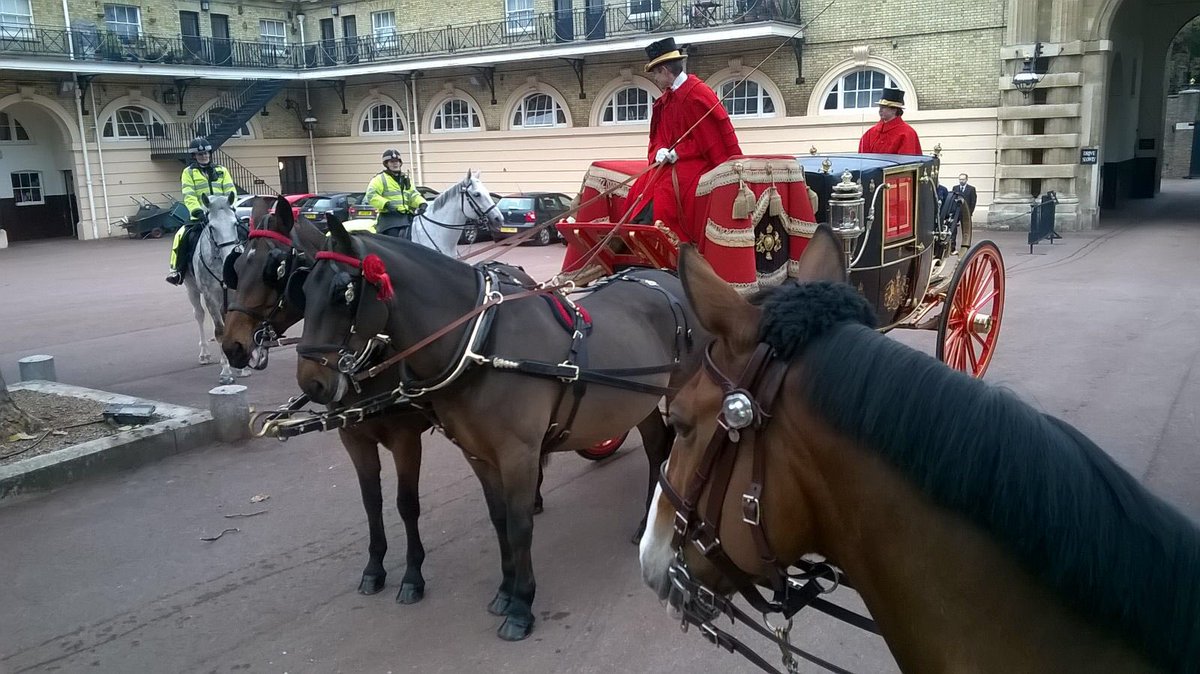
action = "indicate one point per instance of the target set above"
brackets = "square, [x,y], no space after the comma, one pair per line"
[697,521]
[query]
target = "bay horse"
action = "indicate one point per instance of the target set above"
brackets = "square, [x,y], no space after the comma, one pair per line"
[504,386]
[260,311]
[982,535]
[205,288]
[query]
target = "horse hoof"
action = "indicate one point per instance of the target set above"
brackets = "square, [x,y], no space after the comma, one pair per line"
[225,380]
[244,372]
[499,605]
[206,359]
[410,594]
[371,584]
[515,629]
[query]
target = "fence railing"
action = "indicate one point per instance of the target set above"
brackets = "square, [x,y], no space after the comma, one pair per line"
[88,42]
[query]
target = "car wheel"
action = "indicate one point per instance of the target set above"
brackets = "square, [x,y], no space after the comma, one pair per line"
[470,235]
[543,237]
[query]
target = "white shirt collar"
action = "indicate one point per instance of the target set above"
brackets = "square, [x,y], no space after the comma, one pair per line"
[679,80]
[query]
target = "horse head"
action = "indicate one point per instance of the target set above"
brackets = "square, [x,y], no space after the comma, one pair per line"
[482,205]
[700,412]
[222,221]
[258,311]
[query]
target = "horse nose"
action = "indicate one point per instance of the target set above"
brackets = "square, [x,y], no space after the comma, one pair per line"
[237,354]
[316,390]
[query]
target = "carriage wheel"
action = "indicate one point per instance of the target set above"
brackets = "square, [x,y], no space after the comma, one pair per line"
[603,450]
[970,322]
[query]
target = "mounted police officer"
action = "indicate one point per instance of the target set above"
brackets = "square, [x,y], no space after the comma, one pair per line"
[395,199]
[201,177]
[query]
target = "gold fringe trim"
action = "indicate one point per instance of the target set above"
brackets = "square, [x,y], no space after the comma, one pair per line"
[601,179]
[775,278]
[756,171]
[728,237]
[745,289]
[796,227]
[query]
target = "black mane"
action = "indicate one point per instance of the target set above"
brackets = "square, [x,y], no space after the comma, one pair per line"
[1076,520]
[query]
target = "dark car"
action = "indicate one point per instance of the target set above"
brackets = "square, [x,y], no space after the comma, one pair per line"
[365,210]
[340,204]
[470,234]
[522,211]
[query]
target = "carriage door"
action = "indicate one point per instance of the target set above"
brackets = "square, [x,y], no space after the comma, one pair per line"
[564,21]
[293,175]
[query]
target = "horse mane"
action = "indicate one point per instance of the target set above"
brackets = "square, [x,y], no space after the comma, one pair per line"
[440,200]
[1072,517]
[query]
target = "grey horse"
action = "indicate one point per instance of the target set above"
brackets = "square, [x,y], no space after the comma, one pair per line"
[204,284]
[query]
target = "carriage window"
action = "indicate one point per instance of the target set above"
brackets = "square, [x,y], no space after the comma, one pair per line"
[456,114]
[857,90]
[746,99]
[11,130]
[123,20]
[133,123]
[382,118]
[538,111]
[630,105]
[27,188]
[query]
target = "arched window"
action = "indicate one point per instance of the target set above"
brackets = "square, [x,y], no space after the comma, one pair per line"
[746,99]
[538,111]
[382,118]
[856,90]
[456,114]
[630,105]
[133,123]
[213,117]
[11,129]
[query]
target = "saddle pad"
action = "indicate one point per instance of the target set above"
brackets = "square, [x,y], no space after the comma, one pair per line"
[562,311]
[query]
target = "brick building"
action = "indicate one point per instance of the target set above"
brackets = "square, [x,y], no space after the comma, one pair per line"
[98,101]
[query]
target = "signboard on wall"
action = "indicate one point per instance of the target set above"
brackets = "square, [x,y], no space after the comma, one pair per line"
[1089,155]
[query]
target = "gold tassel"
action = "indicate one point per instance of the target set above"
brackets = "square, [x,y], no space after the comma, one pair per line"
[775,207]
[743,203]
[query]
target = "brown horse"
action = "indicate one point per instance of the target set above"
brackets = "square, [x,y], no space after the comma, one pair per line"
[510,385]
[982,535]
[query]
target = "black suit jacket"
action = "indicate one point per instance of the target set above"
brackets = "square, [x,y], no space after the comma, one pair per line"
[967,192]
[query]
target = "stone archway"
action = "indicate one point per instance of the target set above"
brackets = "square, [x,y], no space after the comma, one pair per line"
[37,170]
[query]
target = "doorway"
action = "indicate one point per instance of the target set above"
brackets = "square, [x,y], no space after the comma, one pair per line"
[328,43]
[350,37]
[293,175]
[189,30]
[222,46]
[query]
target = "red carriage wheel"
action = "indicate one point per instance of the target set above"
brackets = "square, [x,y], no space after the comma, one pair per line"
[603,450]
[970,323]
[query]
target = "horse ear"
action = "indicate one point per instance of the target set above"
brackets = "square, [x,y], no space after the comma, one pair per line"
[338,235]
[284,215]
[718,306]
[823,258]
[258,212]
[230,198]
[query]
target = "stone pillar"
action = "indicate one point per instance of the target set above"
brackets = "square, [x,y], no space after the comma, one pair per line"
[35,368]
[230,411]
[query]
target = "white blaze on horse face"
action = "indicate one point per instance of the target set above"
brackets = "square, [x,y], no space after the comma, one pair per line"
[655,548]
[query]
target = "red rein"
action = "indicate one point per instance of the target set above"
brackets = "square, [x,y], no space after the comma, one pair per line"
[372,268]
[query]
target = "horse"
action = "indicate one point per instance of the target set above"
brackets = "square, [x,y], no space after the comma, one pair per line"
[259,312]
[205,286]
[486,381]
[444,220]
[982,535]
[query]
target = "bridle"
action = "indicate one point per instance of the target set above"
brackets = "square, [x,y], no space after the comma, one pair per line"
[218,247]
[265,335]
[745,413]
[464,202]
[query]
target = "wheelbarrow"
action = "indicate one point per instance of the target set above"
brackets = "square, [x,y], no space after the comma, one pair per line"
[152,221]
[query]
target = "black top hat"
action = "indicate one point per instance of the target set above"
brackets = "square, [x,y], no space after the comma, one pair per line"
[892,98]
[662,51]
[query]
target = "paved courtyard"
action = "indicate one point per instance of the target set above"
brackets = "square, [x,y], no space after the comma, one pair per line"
[109,574]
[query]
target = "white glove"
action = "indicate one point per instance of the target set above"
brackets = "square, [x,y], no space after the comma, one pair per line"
[665,156]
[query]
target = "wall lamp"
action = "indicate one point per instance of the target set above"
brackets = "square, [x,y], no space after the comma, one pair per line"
[333,10]
[1028,78]
[204,5]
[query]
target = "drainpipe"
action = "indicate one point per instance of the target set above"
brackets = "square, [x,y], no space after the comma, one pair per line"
[412,158]
[70,36]
[87,162]
[100,156]
[415,123]
[311,150]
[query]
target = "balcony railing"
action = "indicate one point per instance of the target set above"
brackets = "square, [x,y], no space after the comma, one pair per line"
[547,28]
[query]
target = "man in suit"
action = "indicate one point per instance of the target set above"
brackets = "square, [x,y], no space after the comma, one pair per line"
[962,197]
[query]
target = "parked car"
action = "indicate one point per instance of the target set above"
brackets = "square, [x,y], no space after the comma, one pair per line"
[468,236]
[522,211]
[243,205]
[365,210]
[340,204]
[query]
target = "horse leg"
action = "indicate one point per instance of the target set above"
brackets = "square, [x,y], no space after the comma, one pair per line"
[493,494]
[216,313]
[406,453]
[519,472]
[657,438]
[198,313]
[365,456]
[537,499]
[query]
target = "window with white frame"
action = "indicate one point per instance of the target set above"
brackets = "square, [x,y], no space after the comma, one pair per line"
[630,105]
[857,90]
[11,130]
[124,20]
[538,111]
[456,114]
[133,123]
[272,33]
[383,28]
[27,188]
[16,20]
[519,15]
[382,118]
[213,117]
[745,99]
[644,8]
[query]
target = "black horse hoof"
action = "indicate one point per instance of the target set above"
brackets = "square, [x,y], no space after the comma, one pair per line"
[410,594]
[499,605]
[515,629]
[371,584]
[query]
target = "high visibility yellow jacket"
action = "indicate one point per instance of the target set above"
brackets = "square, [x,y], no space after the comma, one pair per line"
[196,181]
[384,190]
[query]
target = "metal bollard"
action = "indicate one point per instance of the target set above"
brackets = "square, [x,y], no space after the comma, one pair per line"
[231,412]
[37,368]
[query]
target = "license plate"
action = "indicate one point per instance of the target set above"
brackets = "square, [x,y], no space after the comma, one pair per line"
[508,230]
[311,216]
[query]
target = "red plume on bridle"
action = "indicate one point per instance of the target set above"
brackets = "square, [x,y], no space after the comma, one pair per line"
[373,269]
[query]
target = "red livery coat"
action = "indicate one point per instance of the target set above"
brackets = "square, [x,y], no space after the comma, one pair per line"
[710,143]
[894,137]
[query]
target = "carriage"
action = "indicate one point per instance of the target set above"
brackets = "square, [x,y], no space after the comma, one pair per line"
[753,215]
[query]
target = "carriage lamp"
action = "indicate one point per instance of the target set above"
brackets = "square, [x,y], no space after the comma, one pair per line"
[846,212]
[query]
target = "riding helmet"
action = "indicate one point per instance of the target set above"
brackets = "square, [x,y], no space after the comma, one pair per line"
[391,154]
[199,144]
